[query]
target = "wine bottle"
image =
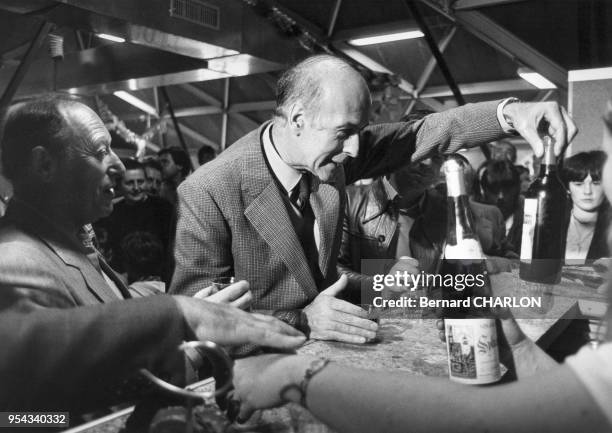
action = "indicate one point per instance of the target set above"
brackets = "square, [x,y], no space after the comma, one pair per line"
[545,219]
[471,330]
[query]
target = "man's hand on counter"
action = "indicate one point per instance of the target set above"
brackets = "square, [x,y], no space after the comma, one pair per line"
[228,325]
[330,318]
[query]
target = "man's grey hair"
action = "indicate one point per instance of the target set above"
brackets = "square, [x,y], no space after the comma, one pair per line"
[303,82]
[36,122]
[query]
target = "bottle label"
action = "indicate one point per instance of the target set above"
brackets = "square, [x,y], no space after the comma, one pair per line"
[455,185]
[466,249]
[530,217]
[473,355]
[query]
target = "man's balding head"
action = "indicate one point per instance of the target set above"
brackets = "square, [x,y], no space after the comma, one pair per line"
[39,122]
[322,105]
[56,152]
[311,79]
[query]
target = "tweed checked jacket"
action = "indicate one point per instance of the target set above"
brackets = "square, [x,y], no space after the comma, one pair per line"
[232,220]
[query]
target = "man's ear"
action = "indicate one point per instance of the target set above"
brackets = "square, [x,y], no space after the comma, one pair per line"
[44,165]
[296,118]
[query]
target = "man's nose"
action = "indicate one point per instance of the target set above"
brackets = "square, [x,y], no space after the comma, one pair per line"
[350,146]
[115,166]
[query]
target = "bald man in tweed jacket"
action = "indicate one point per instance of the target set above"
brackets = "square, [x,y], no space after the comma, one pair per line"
[234,215]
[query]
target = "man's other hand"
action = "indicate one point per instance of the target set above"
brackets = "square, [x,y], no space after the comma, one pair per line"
[228,325]
[406,264]
[237,295]
[330,318]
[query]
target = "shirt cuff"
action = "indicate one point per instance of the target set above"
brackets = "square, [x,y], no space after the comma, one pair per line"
[507,128]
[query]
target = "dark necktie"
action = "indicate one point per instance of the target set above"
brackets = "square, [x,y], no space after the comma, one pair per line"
[304,225]
[301,194]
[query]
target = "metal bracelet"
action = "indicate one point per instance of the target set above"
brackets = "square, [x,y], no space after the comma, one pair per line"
[315,367]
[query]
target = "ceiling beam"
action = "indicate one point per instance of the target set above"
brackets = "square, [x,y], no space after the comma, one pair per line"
[500,86]
[374,30]
[373,65]
[195,135]
[214,102]
[430,67]
[109,68]
[201,94]
[504,41]
[235,110]
[251,106]
[475,4]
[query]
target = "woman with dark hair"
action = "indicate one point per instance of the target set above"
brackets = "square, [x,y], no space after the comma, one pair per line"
[586,232]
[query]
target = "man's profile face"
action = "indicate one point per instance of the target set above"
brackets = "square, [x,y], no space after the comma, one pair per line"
[330,132]
[169,168]
[133,185]
[154,180]
[90,171]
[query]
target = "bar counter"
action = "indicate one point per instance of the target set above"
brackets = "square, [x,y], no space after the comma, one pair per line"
[413,346]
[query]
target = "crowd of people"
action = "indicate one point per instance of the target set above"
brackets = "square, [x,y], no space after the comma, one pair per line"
[272,211]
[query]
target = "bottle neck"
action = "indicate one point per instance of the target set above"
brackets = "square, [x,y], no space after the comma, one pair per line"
[549,162]
[460,224]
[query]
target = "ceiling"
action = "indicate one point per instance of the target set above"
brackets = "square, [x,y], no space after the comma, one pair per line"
[216,61]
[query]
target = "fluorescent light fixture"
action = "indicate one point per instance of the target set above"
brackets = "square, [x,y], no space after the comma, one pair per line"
[535,79]
[138,103]
[390,37]
[110,37]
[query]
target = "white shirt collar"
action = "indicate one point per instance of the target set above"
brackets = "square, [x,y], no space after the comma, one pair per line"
[288,176]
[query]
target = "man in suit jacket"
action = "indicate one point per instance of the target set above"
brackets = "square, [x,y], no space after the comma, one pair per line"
[240,216]
[69,332]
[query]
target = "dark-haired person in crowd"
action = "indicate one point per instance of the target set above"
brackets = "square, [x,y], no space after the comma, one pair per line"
[153,174]
[269,208]
[575,396]
[71,332]
[138,211]
[143,261]
[176,166]
[501,187]
[524,178]
[205,154]
[590,215]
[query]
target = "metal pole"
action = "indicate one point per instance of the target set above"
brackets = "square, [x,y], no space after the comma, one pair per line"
[225,116]
[435,51]
[334,18]
[177,127]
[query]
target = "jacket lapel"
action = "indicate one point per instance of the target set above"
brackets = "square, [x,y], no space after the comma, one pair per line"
[80,264]
[326,203]
[267,213]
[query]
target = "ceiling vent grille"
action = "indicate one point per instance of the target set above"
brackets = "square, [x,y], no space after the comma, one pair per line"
[195,11]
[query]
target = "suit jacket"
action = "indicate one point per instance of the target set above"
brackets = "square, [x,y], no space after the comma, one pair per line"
[370,231]
[232,220]
[67,344]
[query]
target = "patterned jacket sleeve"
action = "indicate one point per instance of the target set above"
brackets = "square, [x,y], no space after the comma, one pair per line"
[386,147]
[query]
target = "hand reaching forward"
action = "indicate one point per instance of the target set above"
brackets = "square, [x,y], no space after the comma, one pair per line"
[530,119]
[228,325]
[330,318]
